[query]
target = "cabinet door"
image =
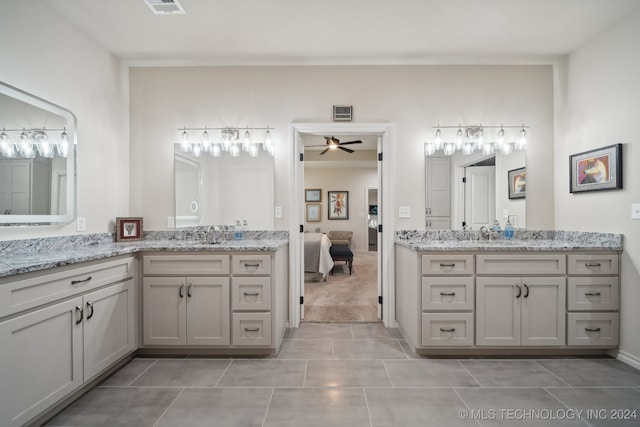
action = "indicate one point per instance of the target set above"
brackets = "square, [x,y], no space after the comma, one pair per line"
[108,327]
[208,311]
[164,308]
[497,311]
[40,360]
[543,311]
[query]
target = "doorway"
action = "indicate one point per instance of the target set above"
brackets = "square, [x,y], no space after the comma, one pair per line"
[384,256]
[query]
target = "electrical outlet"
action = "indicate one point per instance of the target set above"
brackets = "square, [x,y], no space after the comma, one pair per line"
[171,222]
[404,212]
[278,213]
[81,224]
[635,211]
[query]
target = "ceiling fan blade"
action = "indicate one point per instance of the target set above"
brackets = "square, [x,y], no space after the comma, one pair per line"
[323,151]
[351,142]
[345,149]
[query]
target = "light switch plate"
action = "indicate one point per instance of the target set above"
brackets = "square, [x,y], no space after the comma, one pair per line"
[81,224]
[635,211]
[278,212]
[171,222]
[505,213]
[404,212]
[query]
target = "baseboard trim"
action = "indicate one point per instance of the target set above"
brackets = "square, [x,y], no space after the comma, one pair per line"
[628,359]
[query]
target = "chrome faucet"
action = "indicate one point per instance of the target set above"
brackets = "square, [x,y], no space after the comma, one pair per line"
[214,236]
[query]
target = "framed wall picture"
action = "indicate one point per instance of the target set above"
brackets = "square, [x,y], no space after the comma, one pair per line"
[313,212]
[312,195]
[596,170]
[517,183]
[338,205]
[128,229]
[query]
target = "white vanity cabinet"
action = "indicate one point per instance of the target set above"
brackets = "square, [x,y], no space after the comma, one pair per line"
[593,300]
[60,329]
[216,300]
[181,309]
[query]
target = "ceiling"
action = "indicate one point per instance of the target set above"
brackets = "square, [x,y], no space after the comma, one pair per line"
[306,32]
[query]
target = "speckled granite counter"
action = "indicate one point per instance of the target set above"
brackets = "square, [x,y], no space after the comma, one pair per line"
[525,240]
[25,256]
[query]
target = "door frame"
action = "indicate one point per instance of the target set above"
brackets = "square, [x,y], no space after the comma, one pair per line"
[386,133]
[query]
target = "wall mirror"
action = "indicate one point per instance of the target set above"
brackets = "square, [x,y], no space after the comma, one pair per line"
[220,190]
[472,190]
[37,160]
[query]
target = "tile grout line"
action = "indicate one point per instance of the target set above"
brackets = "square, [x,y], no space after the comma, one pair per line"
[564,404]
[266,412]
[548,370]
[168,407]
[463,401]
[386,369]
[304,378]
[366,403]
[225,371]
[142,373]
[468,372]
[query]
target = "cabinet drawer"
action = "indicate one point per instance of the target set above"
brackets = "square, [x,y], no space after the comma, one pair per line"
[251,329]
[593,293]
[23,294]
[192,265]
[251,264]
[447,264]
[598,329]
[593,264]
[447,293]
[447,329]
[519,265]
[251,293]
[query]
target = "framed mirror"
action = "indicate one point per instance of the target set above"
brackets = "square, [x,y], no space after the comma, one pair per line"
[37,160]
[220,190]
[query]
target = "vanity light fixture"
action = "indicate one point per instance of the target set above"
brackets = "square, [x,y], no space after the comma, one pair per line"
[229,141]
[31,142]
[468,139]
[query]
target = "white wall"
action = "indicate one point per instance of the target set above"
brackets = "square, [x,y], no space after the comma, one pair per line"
[597,106]
[44,55]
[353,180]
[415,98]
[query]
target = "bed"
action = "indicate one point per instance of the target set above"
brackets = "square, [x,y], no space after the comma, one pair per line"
[317,258]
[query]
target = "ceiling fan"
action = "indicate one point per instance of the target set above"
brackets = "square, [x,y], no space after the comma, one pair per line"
[334,143]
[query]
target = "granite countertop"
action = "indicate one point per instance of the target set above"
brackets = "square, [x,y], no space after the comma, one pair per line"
[526,240]
[35,257]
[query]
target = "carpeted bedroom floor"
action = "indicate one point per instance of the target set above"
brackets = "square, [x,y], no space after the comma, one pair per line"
[343,297]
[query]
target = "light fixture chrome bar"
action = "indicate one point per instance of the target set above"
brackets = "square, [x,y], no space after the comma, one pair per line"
[482,126]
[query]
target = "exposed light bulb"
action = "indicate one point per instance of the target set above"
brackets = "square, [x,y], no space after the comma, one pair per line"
[216,150]
[63,146]
[459,139]
[437,141]
[500,141]
[522,140]
[449,148]
[196,150]
[206,140]
[4,142]
[184,142]
[480,138]
[429,149]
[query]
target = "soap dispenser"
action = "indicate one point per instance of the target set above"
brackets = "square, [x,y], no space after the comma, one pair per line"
[238,233]
[496,226]
[508,230]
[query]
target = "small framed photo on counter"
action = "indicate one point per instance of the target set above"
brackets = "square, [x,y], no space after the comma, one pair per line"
[128,229]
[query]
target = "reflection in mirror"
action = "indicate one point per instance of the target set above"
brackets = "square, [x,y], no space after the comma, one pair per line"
[220,190]
[37,160]
[472,191]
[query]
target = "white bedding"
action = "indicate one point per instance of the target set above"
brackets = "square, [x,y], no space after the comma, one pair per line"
[316,253]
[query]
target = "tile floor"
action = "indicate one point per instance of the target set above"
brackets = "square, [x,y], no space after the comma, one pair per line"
[360,375]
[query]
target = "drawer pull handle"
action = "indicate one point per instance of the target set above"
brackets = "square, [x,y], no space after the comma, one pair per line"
[81,312]
[251,294]
[447,329]
[75,282]
[592,294]
[180,290]
[447,294]
[592,329]
[592,264]
[447,265]
[189,290]
[519,294]
[526,287]
[251,329]
[90,305]
[252,265]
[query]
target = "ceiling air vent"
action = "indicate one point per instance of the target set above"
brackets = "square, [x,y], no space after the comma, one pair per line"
[165,7]
[342,112]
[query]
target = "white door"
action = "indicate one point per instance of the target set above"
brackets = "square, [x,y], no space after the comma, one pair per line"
[379,239]
[498,311]
[208,311]
[438,186]
[108,327]
[164,310]
[480,196]
[543,311]
[40,361]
